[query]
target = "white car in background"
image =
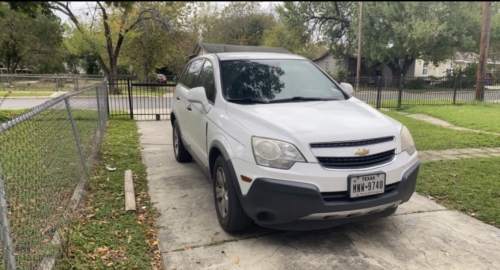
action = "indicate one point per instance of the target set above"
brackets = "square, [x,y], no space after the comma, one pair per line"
[286,146]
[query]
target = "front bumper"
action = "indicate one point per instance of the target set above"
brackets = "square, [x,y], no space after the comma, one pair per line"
[301,206]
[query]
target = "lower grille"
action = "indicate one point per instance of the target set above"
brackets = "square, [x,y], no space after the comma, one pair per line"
[356,162]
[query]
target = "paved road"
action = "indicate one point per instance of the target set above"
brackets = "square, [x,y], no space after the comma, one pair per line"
[421,235]
[119,103]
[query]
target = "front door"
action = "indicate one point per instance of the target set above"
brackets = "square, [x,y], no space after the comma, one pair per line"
[198,118]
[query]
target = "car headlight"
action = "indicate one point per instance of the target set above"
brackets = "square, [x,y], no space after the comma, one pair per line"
[407,142]
[275,154]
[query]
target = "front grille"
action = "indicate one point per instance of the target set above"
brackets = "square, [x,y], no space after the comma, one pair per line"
[356,162]
[352,143]
[344,195]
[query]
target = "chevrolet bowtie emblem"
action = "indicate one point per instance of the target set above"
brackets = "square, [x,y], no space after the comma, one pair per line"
[362,152]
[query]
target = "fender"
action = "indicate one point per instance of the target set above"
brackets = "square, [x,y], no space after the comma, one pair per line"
[222,147]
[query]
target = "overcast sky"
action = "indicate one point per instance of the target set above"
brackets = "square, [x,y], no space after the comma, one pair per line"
[80,8]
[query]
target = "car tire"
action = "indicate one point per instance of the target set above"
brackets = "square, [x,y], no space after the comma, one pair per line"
[181,153]
[231,216]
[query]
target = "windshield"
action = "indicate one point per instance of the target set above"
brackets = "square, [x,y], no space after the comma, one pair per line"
[265,81]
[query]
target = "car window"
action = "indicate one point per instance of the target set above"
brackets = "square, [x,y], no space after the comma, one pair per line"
[269,80]
[206,79]
[184,73]
[193,72]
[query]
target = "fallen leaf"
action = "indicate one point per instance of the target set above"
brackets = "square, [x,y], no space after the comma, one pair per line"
[155,243]
[237,261]
[109,264]
[102,249]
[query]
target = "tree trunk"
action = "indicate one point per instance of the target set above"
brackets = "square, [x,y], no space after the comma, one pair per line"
[113,76]
[397,70]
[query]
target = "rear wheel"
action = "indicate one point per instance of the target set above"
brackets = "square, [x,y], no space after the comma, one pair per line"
[231,216]
[180,152]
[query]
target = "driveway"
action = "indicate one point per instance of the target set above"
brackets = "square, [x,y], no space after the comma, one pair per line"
[421,235]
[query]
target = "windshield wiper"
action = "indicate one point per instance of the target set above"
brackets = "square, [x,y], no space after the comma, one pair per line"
[247,100]
[300,98]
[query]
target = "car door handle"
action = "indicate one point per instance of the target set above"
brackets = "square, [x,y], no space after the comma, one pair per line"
[178,98]
[189,107]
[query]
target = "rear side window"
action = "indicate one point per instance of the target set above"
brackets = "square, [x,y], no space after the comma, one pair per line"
[192,73]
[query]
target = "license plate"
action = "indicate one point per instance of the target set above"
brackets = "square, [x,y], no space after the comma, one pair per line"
[366,185]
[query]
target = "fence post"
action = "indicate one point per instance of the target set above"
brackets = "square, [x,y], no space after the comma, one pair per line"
[454,89]
[129,88]
[6,234]
[75,133]
[400,91]
[379,94]
[99,113]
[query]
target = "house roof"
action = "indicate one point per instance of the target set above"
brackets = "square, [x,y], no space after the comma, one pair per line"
[321,56]
[220,48]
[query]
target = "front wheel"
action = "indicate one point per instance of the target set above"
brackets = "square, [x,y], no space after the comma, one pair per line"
[231,216]
[181,153]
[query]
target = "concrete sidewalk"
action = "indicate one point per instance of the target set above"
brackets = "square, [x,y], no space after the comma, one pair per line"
[421,235]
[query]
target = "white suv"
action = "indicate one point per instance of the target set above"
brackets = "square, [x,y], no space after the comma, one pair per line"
[286,146]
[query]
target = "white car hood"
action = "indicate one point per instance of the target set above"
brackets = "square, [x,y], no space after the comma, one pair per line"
[314,121]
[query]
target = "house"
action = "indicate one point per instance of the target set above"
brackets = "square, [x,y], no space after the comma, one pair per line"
[460,60]
[204,48]
[332,65]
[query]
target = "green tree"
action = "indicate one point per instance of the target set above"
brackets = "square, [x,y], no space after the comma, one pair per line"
[280,36]
[394,33]
[151,48]
[32,42]
[116,26]
[238,23]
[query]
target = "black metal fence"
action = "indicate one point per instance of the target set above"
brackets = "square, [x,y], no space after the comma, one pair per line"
[148,99]
[140,99]
[387,92]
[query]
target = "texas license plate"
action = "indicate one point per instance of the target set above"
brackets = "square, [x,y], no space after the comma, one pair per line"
[366,185]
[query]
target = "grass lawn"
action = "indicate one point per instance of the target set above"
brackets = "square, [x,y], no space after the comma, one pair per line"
[104,236]
[25,94]
[484,116]
[431,137]
[6,115]
[471,186]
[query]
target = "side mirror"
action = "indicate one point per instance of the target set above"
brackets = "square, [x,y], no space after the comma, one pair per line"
[347,87]
[197,95]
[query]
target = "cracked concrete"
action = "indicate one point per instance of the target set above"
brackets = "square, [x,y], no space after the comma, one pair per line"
[420,235]
[442,123]
[438,155]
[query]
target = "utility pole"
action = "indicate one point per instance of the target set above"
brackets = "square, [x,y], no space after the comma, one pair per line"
[483,51]
[358,66]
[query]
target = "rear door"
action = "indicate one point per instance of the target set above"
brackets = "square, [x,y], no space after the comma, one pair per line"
[183,106]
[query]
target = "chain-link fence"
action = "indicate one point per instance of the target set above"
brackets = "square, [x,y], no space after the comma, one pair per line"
[46,155]
[37,84]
